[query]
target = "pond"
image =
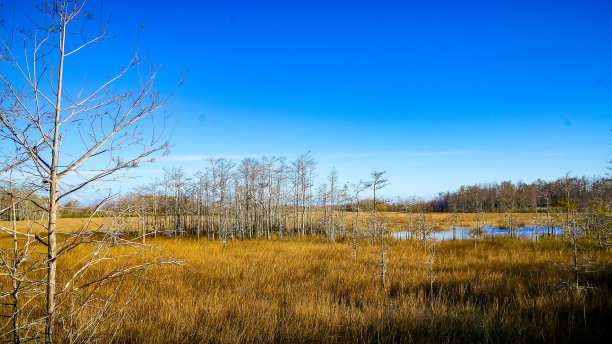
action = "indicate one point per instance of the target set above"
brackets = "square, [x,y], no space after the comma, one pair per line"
[487,232]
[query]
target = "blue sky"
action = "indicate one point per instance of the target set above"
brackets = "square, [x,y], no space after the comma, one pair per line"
[438,93]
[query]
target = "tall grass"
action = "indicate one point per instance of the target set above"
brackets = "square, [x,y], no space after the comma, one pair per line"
[304,290]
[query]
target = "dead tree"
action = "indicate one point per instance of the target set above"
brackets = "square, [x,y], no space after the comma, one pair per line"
[331,228]
[378,182]
[225,176]
[16,263]
[534,197]
[44,114]
[432,263]
[508,198]
[357,189]
[424,227]
[213,162]
[201,181]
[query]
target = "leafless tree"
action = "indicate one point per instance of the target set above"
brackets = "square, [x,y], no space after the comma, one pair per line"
[357,189]
[432,263]
[225,176]
[40,114]
[17,264]
[508,197]
[331,224]
[424,227]
[533,193]
[378,182]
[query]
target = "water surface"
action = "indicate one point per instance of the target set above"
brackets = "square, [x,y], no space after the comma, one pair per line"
[489,231]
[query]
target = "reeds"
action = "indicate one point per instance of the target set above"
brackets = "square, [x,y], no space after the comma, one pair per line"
[305,290]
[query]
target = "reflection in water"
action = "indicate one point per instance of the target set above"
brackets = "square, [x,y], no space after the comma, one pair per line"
[489,231]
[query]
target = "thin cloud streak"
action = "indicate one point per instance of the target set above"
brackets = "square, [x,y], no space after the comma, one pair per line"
[445,153]
[395,153]
[199,157]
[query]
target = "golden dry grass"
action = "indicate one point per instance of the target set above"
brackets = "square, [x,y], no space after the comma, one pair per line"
[66,225]
[304,290]
[307,291]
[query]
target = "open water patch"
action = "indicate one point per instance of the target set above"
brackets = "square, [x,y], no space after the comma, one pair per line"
[486,231]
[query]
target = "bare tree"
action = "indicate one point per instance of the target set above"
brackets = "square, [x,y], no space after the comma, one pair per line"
[424,227]
[357,189]
[508,197]
[432,263]
[39,114]
[202,182]
[17,265]
[378,182]
[331,227]
[302,173]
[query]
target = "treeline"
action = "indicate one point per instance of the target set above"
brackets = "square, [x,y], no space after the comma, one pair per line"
[506,196]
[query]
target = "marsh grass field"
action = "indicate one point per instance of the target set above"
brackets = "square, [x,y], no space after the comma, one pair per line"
[307,291]
[304,290]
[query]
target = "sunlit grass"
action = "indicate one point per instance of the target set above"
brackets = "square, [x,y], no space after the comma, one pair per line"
[305,290]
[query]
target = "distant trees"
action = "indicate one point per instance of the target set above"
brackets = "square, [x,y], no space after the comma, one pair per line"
[268,196]
[251,199]
[511,197]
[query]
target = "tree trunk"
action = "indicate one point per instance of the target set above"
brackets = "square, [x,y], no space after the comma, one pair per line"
[53,184]
[15,282]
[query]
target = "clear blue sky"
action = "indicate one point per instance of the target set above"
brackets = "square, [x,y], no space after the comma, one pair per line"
[438,93]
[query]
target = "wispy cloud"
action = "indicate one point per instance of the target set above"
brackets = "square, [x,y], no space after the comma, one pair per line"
[445,153]
[403,153]
[201,157]
[360,154]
